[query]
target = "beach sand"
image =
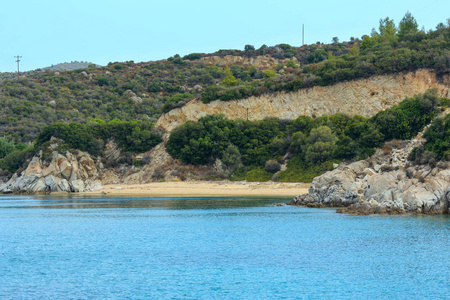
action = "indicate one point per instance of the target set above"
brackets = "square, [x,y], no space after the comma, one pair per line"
[206,188]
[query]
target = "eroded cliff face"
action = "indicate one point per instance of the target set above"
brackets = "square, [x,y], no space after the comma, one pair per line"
[363,97]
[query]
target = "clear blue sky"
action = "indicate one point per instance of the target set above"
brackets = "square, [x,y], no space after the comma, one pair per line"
[49,32]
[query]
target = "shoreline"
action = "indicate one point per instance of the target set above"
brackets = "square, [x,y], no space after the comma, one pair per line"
[204,188]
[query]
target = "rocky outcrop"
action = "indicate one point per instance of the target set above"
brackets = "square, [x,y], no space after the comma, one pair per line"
[72,172]
[262,62]
[76,171]
[363,97]
[132,95]
[382,184]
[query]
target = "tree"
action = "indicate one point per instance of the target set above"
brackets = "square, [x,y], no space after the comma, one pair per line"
[387,30]
[272,166]
[249,48]
[231,157]
[442,62]
[320,145]
[6,147]
[229,79]
[335,40]
[353,50]
[368,42]
[298,140]
[317,56]
[407,25]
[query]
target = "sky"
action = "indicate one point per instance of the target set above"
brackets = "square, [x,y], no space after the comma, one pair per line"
[50,32]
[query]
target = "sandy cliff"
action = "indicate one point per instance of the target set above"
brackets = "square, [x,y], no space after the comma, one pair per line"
[364,97]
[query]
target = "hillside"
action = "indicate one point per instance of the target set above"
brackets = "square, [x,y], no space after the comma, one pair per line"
[66,66]
[143,91]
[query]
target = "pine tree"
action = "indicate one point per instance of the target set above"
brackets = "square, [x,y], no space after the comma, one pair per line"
[407,26]
[229,79]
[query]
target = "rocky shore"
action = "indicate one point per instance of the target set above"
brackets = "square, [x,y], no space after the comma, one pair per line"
[73,172]
[382,184]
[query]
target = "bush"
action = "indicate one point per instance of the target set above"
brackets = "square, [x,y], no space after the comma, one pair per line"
[291,64]
[211,93]
[231,157]
[420,156]
[193,56]
[320,145]
[249,48]
[258,174]
[15,160]
[272,166]
[6,147]
[298,171]
[130,136]
[269,74]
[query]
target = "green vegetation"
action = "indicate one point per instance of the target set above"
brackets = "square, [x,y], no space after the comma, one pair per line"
[141,92]
[438,139]
[314,143]
[130,136]
[387,50]
[6,147]
[15,160]
[134,137]
[11,155]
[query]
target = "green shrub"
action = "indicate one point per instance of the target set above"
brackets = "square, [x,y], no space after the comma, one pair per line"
[269,73]
[15,160]
[193,56]
[258,174]
[130,136]
[272,166]
[6,147]
[298,171]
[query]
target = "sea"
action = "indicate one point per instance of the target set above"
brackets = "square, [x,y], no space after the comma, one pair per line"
[78,247]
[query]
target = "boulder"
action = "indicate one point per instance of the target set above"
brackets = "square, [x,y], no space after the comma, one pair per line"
[198,88]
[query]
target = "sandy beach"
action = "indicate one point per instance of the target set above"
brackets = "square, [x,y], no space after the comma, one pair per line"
[206,188]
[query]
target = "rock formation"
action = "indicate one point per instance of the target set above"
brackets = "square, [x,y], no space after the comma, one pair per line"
[77,171]
[363,97]
[73,172]
[383,183]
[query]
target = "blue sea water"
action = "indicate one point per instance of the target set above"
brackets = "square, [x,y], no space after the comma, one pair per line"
[215,248]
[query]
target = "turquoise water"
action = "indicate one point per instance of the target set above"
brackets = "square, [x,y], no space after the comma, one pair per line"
[222,248]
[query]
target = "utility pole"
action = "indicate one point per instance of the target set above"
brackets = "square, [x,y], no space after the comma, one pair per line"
[303,34]
[18,61]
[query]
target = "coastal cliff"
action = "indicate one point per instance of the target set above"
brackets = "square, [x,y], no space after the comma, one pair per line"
[363,97]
